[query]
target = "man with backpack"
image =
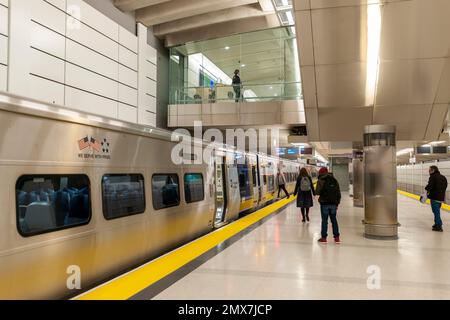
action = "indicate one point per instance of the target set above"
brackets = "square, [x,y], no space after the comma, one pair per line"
[329,198]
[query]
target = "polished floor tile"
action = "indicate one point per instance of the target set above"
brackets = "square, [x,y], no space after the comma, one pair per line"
[281,259]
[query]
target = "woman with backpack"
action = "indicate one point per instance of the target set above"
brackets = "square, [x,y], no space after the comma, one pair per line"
[304,188]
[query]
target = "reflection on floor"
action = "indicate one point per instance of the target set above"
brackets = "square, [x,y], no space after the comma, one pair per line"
[282,260]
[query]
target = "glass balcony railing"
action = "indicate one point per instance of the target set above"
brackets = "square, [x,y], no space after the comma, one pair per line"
[243,93]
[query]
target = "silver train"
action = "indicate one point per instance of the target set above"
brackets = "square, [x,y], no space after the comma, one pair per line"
[103,196]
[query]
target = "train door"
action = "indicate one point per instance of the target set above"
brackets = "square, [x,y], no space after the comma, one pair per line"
[233,193]
[221,191]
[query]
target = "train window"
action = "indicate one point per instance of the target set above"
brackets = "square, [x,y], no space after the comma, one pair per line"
[122,195]
[165,191]
[244,181]
[254,175]
[194,189]
[47,203]
[271,183]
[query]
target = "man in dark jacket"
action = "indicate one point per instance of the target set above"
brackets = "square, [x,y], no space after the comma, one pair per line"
[436,188]
[329,199]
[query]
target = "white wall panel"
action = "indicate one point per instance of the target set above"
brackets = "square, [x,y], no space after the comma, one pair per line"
[3,49]
[93,18]
[4,20]
[128,58]
[91,82]
[152,55]
[94,40]
[127,113]
[152,72]
[3,77]
[47,66]
[91,60]
[150,87]
[87,102]
[4,2]
[48,15]
[61,4]
[46,90]
[149,103]
[128,76]
[47,40]
[128,40]
[128,95]
[147,118]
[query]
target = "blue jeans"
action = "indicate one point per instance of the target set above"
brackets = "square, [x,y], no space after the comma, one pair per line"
[436,208]
[329,211]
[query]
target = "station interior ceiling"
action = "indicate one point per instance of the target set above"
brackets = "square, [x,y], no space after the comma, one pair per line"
[362,61]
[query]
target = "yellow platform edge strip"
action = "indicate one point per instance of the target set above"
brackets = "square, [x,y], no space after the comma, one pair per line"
[131,283]
[446,207]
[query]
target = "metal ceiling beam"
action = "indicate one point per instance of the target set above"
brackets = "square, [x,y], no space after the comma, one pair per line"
[179,9]
[266,5]
[132,5]
[207,19]
[223,29]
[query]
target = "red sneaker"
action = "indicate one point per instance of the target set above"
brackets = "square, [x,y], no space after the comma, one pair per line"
[322,240]
[337,240]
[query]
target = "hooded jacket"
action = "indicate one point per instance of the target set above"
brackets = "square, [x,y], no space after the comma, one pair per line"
[324,197]
[437,186]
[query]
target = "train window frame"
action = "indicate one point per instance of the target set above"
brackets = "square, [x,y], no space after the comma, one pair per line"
[179,190]
[27,177]
[184,186]
[103,196]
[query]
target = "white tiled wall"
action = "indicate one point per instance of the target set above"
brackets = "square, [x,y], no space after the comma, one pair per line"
[147,79]
[4,40]
[68,53]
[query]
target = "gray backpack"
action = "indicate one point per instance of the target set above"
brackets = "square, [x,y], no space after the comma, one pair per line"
[305,184]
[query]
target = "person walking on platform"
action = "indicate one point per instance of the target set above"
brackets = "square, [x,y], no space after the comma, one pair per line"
[304,189]
[281,181]
[237,85]
[436,188]
[329,198]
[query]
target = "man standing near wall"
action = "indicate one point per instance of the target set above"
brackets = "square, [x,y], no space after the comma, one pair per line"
[436,188]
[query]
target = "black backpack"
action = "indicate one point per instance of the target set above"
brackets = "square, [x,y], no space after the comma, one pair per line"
[330,190]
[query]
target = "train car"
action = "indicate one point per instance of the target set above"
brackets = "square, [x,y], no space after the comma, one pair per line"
[102,196]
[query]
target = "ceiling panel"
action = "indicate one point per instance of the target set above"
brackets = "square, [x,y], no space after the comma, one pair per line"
[339,35]
[304,32]
[309,86]
[312,120]
[443,95]
[436,122]
[337,124]
[409,81]
[320,4]
[415,29]
[406,114]
[341,85]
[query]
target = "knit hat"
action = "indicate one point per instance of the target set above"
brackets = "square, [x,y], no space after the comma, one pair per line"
[323,170]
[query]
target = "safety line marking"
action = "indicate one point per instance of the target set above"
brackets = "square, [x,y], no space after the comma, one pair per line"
[133,282]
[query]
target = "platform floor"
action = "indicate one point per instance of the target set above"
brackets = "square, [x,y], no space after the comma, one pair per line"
[281,259]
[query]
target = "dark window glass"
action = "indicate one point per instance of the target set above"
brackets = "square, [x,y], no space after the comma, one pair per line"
[47,203]
[194,189]
[244,181]
[254,176]
[165,191]
[123,195]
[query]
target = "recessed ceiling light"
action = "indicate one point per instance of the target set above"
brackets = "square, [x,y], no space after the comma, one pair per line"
[243,65]
[227,48]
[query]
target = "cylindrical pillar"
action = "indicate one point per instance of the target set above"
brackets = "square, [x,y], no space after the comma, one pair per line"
[380,182]
[358,179]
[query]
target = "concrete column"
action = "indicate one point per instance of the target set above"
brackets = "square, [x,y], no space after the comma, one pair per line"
[380,182]
[358,178]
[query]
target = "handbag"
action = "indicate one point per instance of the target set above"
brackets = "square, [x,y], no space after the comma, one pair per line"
[423,197]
